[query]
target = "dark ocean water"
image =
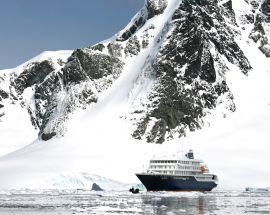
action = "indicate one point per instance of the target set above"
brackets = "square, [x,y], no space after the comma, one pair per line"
[88,202]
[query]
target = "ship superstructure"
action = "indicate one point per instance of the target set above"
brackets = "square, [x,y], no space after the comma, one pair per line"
[172,174]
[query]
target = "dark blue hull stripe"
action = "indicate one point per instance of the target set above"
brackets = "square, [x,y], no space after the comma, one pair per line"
[174,183]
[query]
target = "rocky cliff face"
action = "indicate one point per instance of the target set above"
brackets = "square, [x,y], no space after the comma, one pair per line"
[256,21]
[182,50]
[190,70]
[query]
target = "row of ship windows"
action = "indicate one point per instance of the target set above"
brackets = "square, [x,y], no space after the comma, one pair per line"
[188,167]
[173,167]
[162,167]
[177,172]
[174,161]
[166,172]
[184,173]
[164,161]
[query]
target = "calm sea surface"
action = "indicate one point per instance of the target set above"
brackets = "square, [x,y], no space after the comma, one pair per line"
[68,202]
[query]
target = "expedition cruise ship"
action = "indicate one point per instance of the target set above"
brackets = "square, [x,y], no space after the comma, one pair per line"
[186,174]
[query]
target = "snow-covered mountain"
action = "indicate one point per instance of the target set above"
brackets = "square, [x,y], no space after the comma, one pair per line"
[177,67]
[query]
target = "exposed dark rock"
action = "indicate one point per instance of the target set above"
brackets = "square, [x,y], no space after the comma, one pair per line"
[73,87]
[228,5]
[255,4]
[35,73]
[96,187]
[138,23]
[85,64]
[46,102]
[155,7]
[141,126]
[57,93]
[147,35]
[47,136]
[51,113]
[186,71]
[221,88]
[265,47]
[250,18]
[158,132]
[115,49]
[265,9]
[3,95]
[126,35]
[198,21]
[228,12]
[133,47]
[258,34]
[98,47]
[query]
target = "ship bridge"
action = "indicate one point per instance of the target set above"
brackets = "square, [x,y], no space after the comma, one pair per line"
[186,166]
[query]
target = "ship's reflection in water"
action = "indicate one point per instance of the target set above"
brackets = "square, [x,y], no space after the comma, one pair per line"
[222,202]
[187,204]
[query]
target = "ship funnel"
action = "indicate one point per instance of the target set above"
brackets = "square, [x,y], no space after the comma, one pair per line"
[190,154]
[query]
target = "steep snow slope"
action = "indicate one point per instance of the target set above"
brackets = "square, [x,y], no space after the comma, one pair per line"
[98,140]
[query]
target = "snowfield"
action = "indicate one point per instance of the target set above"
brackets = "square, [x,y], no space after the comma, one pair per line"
[98,141]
